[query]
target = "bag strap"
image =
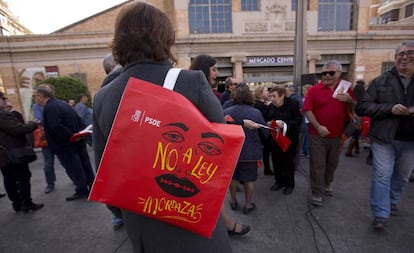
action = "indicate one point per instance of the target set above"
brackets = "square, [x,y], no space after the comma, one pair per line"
[171,78]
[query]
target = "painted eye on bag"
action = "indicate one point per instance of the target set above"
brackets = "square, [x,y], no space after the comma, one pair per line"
[209,148]
[173,136]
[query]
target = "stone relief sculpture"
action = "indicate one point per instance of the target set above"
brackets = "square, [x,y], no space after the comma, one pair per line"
[272,19]
[275,13]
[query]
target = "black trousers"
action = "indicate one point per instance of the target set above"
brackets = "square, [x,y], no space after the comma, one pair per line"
[78,167]
[17,184]
[284,164]
[266,153]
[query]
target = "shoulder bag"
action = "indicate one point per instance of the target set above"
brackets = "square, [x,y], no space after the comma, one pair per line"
[164,166]
[19,155]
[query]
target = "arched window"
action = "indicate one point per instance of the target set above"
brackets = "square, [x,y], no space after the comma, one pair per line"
[210,16]
[335,15]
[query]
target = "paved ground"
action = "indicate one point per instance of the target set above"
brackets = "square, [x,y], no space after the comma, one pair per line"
[280,223]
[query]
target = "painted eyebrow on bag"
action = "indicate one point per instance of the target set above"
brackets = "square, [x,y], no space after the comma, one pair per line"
[203,135]
[180,125]
[211,135]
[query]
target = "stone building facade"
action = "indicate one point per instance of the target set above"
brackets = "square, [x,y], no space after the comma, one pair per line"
[254,43]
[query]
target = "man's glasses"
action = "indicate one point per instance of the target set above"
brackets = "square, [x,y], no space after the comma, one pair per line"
[409,53]
[234,84]
[331,73]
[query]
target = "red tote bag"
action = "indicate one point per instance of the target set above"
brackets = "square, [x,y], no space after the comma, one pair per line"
[165,160]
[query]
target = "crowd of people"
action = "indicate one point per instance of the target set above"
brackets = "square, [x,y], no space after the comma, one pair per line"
[313,117]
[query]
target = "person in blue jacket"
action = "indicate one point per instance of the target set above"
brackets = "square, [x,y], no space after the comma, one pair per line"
[252,151]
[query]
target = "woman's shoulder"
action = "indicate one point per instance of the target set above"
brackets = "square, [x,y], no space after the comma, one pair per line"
[187,73]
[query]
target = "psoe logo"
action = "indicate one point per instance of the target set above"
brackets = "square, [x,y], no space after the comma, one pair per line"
[140,117]
[135,117]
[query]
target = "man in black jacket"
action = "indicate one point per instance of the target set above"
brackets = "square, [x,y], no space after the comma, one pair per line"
[61,122]
[389,101]
[16,177]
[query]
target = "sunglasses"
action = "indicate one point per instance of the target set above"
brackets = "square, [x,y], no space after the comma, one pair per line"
[235,84]
[331,73]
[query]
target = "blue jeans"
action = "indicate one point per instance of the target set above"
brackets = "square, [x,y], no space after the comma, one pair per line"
[49,169]
[392,165]
[305,146]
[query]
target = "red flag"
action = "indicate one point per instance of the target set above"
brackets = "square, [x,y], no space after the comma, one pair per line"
[228,118]
[278,136]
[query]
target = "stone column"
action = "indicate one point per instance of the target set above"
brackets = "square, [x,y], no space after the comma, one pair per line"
[238,61]
[312,57]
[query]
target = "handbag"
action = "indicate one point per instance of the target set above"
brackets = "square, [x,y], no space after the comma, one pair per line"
[165,166]
[39,137]
[19,155]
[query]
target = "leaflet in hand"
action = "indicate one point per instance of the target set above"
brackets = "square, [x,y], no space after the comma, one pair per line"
[81,134]
[342,88]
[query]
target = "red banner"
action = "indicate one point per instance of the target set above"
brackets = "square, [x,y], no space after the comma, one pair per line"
[165,160]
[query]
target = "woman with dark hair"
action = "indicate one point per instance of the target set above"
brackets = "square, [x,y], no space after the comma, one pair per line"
[208,65]
[252,151]
[142,45]
[203,62]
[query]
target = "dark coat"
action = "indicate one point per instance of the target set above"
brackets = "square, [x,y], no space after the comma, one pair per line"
[146,234]
[252,147]
[112,75]
[383,93]
[18,115]
[13,133]
[299,99]
[225,96]
[60,122]
[289,112]
[262,107]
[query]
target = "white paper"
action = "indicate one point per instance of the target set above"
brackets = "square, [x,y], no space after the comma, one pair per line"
[343,87]
[87,129]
